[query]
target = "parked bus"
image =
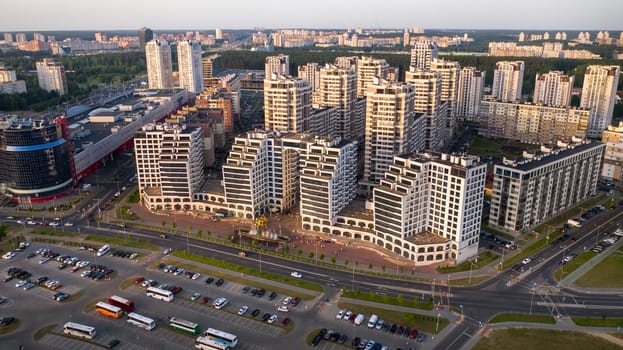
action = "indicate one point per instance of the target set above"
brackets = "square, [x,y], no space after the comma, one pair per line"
[221,337]
[123,303]
[103,250]
[204,343]
[108,310]
[188,327]
[160,294]
[141,321]
[79,330]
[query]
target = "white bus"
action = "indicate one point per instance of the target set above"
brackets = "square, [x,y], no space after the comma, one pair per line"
[141,321]
[79,330]
[160,294]
[103,250]
[204,343]
[222,337]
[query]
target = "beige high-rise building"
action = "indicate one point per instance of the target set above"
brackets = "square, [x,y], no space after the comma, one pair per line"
[190,65]
[311,73]
[598,95]
[279,65]
[287,104]
[159,65]
[338,88]
[367,69]
[450,71]
[613,156]
[6,73]
[471,85]
[389,126]
[507,81]
[553,89]
[51,76]
[347,62]
[427,100]
[423,53]
[210,67]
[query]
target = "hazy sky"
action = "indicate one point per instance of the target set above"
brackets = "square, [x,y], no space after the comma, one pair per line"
[235,14]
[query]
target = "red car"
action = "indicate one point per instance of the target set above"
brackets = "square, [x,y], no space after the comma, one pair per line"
[413,334]
[176,290]
[295,301]
[139,280]
[286,321]
[205,299]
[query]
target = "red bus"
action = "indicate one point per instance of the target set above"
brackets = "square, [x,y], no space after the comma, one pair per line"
[123,303]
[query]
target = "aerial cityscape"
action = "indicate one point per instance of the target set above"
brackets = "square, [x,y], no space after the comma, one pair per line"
[354,175]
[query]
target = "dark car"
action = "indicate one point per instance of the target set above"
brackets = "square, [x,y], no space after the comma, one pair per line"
[393,329]
[272,296]
[261,292]
[176,290]
[316,340]
[209,280]
[31,255]
[5,321]
[219,282]
[160,266]
[111,344]
[322,332]
[266,316]
[286,321]
[407,332]
[255,312]
[245,290]
[295,301]
[355,342]
[254,291]
[42,279]
[60,296]
[335,337]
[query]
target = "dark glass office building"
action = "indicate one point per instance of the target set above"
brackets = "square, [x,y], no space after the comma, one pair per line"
[35,159]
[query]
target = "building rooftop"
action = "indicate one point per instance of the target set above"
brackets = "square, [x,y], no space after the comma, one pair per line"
[542,158]
[357,209]
[427,237]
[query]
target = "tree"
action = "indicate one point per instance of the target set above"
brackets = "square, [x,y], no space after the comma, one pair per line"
[190,228]
[299,252]
[286,249]
[333,260]
[383,268]
[321,256]
[370,266]
[400,299]
[164,224]
[199,233]
[311,255]
[345,262]
[174,225]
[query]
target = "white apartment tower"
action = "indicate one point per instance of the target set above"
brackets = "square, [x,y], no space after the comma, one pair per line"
[159,65]
[6,73]
[553,89]
[423,53]
[311,73]
[276,65]
[432,193]
[507,81]
[51,76]
[169,165]
[471,84]
[389,126]
[450,72]
[427,101]
[287,104]
[190,65]
[367,69]
[598,95]
[347,62]
[338,88]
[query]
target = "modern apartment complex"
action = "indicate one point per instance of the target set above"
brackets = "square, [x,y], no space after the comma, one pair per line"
[423,53]
[169,165]
[598,95]
[534,189]
[507,81]
[450,71]
[311,73]
[429,198]
[279,65]
[553,89]
[533,123]
[287,104]
[427,101]
[159,65]
[338,88]
[470,89]
[8,81]
[190,65]
[613,156]
[145,35]
[367,69]
[51,76]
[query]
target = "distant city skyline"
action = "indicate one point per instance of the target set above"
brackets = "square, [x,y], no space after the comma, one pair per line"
[34,15]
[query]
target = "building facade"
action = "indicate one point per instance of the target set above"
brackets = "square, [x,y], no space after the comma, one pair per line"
[598,95]
[279,65]
[553,89]
[311,73]
[190,65]
[145,35]
[51,76]
[427,86]
[507,81]
[613,156]
[338,88]
[159,65]
[287,104]
[533,123]
[534,189]
[423,53]
[450,71]
[367,69]
[470,89]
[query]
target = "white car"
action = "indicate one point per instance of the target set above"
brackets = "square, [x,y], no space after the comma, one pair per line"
[54,224]
[168,251]
[82,263]
[340,314]
[44,260]
[196,276]
[195,296]
[273,319]
[283,308]
[243,310]
[287,300]
[31,222]
[526,261]
[20,284]
[347,315]
[68,224]
[296,274]
[8,256]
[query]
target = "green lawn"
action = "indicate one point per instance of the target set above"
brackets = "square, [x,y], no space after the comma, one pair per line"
[424,323]
[497,147]
[476,263]
[385,299]
[573,265]
[134,243]
[523,318]
[607,274]
[10,328]
[598,321]
[541,339]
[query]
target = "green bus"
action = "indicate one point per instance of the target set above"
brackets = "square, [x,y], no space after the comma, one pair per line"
[184,326]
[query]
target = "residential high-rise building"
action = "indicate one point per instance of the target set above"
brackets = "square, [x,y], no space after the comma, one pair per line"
[598,94]
[51,76]
[159,65]
[471,85]
[450,71]
[427,85]
[613,161]
[145,35]
[507,81]
[169,165]
[431,197]
[311,73]
[279,65]
[210,68]
[423,53]
[190,65]
[347,62]
[218,34]
[38,36]
[338,88]
[553,89]
[20,38]
[6,73]
[8,37]
[529,192]
[389,126]
[287,104]
[367,69]
[8,81]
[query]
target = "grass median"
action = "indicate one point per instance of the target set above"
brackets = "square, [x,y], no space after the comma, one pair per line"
[386,299]
[598,321]
[607,274]
[541,339]
[475,263]
[547,319]
[134,243]
[10,328]
[572,265]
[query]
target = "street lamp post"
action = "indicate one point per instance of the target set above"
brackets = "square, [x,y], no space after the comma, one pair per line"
[353,286]
[531,298]
[437,324]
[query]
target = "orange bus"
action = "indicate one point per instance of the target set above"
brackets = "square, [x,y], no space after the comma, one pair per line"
[108,310]
[123,303]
